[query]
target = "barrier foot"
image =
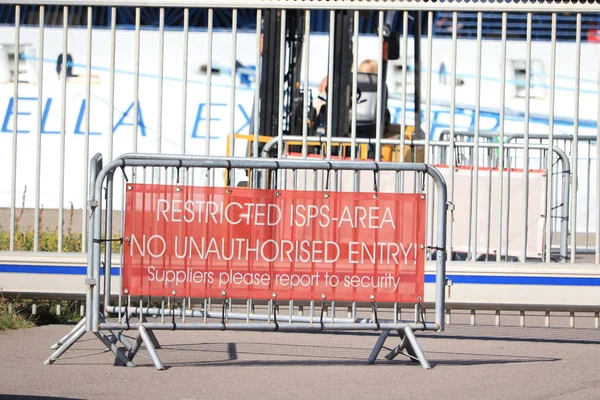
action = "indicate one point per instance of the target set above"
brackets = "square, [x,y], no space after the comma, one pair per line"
[150,347]
[378,346]
[66,345]
[404,344]
[135,347]
[113,347]
[68,335]
[414,349]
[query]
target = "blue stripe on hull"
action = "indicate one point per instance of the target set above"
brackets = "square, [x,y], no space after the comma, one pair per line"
[429,278]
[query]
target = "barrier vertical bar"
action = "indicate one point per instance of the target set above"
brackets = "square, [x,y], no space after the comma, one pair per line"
[550,154]
[88,106]
[575,146]
[526,144]
[380,83]
[108,235]
[184,84]
[38,142]
[111,96]
[475,176]
[63,129]
[95,166]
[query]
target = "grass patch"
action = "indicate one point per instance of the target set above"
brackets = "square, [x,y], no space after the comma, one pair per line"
[13,319]
[17,314]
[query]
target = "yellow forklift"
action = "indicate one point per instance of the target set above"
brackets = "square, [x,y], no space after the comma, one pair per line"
[340,103]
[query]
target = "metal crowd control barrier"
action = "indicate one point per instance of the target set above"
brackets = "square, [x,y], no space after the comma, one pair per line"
[504,238]
[393,282]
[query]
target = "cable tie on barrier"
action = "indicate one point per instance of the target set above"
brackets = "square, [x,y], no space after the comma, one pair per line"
[228,174]
[435,248]
[374,305]
[126,315]
[178,169]
[327,177]
[120,240]
[123,170]
[422,314]
[173,325]
[275,316]
[375,172]
[225,303]
[322,313]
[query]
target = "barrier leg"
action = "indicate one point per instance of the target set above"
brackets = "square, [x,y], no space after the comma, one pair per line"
[113,347]
[150,347]
[378,346]
[151,335]
[68,335]
[66,345]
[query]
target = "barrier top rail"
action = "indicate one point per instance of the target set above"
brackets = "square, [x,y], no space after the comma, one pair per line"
[449,5]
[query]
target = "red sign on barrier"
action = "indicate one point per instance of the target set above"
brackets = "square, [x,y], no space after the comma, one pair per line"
[253,243]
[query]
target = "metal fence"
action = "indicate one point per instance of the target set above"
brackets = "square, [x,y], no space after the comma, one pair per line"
[144,89]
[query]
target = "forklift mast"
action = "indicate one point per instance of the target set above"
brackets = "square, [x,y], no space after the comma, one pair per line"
[292,90]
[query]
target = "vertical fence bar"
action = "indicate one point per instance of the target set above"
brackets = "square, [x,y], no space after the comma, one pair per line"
[305,63]
[452,127]
[429,76]
[233,86]
[526,144]
[354,88]
[428,131]
[575,146]
[281,94]
[404,88]
[501,136]
[111,99]
[184,84]
[380,83]
[597,182]
[136,82]
[38,138]
[550,155]
[15,110]
[161,66]
[209,32]
[476,139]
[88,106]
[257,89]
[63,129]
[330,81]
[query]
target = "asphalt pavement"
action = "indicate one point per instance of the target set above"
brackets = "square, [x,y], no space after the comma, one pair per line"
[481,362]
